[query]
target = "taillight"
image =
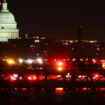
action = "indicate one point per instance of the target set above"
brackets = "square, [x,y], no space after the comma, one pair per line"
[32,77]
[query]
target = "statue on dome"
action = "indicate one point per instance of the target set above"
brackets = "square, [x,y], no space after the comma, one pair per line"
[4,0]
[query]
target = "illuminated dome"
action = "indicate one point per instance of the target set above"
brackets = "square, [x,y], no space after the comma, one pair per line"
[8,25]
[6,15]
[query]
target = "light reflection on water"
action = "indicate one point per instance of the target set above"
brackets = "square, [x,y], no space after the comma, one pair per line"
[56,90]
[26,96]
[59,91]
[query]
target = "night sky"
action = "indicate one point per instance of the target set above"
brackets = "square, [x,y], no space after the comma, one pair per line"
[60,20]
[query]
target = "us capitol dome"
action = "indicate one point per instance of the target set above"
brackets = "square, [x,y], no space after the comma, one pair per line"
[8,25]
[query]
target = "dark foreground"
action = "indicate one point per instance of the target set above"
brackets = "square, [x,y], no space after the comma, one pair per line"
[58,96]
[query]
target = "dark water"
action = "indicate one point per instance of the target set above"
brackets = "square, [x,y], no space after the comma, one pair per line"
[58,96]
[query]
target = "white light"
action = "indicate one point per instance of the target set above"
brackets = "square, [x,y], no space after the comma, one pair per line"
[20,78]
[20,60]
[29,78]
[29,61]
[67,75]
[39,60]
[83,76]
[73,59]
[15,75]
[58,75]
[81,59]
[80,76]
[93,77]
[86,59]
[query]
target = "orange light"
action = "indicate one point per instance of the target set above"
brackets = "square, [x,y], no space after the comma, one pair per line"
[10,61]
[103,65]
[59,68]
[59,89]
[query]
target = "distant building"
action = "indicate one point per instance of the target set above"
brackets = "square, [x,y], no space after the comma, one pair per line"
[85,49]
[66,42]
[8,25]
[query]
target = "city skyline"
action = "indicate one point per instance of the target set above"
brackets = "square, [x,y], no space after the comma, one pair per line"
[59,20]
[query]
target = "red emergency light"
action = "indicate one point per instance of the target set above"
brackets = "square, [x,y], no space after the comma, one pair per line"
[0,3]
[32,77]
[12,78]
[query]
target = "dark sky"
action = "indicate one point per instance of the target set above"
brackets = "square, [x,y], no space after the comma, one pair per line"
[60,20]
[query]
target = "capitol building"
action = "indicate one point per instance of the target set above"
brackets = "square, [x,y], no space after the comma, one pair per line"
[8,25]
